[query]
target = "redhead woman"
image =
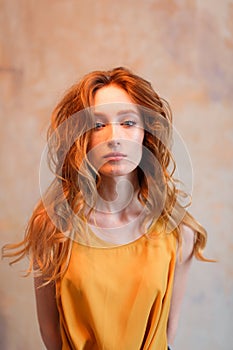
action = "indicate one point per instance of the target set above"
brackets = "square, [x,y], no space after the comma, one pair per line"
[109,243]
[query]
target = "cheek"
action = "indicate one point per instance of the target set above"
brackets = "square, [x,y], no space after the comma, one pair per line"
[95,153]
[93,145]
[134,141]
[139,138]
[135,150]
[96,139]
[139,149]
[91,142]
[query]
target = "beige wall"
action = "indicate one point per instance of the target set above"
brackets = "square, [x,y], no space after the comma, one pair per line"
[184,47]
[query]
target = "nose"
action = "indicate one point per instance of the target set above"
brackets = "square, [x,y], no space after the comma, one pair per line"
[114,135]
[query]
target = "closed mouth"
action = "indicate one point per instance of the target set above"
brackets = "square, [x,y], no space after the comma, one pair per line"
[115,155]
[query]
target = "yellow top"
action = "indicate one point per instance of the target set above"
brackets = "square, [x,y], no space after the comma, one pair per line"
[117,298]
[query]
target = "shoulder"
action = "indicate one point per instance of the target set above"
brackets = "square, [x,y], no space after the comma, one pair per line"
[187,241]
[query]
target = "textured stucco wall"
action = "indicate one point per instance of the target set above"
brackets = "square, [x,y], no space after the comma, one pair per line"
[184,47]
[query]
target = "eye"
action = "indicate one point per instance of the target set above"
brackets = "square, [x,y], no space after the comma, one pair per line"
[129,123]
[99,125]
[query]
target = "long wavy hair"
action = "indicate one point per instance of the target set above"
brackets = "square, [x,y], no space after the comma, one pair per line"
[45,241]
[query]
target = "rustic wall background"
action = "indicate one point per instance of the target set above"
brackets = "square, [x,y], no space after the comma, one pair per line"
[184,47]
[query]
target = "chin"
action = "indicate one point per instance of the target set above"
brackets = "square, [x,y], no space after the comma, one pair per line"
[116,170]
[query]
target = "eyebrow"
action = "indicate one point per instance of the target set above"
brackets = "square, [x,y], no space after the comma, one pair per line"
[120,113]
[128,111]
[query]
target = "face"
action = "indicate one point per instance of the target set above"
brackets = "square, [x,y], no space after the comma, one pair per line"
[115,147]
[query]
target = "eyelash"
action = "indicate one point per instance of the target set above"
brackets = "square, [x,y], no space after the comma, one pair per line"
[99,125]
[127,123]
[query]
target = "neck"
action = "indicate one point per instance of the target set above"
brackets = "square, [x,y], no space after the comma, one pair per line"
[117,193]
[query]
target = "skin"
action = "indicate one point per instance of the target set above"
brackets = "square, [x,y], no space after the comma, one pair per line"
[115,150]
[117,205]
[119,129]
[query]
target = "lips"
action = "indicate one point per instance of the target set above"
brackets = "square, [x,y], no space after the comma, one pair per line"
[115,156]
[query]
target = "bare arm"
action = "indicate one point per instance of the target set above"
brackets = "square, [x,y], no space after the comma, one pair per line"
[180,278]
[48,315]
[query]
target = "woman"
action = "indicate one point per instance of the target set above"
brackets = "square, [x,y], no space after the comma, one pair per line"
[109,242]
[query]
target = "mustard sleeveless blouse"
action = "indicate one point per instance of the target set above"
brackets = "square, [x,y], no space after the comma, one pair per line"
[117,298]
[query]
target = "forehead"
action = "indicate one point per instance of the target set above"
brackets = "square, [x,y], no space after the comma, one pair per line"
[114,100]
[111,94]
